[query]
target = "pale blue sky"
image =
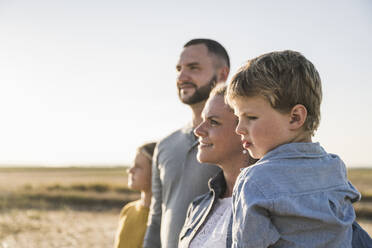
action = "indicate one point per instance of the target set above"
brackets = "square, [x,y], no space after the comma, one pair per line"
[85,82]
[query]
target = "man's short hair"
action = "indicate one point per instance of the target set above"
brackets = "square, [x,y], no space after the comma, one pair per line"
[284,79]
[213,47]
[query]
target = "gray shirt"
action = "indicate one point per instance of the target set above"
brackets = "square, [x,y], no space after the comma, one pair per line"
[177,178]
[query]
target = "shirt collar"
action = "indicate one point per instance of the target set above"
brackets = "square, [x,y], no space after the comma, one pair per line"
[218,184]
[290,150]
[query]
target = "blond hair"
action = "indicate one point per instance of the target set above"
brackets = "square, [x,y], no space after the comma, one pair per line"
[220,90]
[284,79]
[147,150]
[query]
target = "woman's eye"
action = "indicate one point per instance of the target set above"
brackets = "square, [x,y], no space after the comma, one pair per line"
[213,122]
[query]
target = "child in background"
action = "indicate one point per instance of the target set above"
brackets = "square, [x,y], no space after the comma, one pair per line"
[133,216]
[297,194]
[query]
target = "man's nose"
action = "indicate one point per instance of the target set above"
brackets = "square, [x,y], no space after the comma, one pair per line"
[183,76]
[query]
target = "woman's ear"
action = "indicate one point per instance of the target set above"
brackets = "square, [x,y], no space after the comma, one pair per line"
[298,117]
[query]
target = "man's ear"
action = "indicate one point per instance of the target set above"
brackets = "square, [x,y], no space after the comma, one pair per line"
[298,116]
[222,74]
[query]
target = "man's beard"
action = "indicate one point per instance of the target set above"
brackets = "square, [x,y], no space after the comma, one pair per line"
[200,94]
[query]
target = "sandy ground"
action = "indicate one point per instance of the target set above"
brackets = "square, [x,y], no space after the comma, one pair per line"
[62,229]
[367,225]
[66,229]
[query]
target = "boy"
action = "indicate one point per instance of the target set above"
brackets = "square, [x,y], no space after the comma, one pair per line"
[296,195]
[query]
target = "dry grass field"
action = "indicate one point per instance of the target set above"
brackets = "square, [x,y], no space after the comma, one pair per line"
[79,207]
[61,207]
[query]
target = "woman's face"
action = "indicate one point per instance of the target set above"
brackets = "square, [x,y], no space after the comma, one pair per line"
[218,142]
[139,174]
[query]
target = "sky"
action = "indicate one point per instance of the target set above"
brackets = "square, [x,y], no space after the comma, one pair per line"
[86,82]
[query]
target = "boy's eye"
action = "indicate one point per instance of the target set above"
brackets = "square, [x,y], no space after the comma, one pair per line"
[251,118]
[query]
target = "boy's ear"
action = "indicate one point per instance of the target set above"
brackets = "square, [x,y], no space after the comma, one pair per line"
[298,116]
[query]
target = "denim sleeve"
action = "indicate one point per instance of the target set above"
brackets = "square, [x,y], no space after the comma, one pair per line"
[252,226]
[361,239]
[152,236]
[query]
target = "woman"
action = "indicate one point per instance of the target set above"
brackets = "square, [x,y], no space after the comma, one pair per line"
[133,216]
[208,218]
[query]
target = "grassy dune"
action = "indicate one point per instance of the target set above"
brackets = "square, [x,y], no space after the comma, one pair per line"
[53,188]
[66,207]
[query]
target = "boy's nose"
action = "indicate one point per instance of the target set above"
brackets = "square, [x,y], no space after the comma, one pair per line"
[240,129]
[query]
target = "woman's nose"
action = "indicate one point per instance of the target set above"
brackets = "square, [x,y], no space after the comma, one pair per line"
[199,130]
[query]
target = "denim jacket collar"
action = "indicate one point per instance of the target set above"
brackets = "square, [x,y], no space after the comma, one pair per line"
[201,208]
[296,150]
[218,184]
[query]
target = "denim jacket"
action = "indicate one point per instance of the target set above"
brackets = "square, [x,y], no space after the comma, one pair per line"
[297,195]
[199,210]
[361,239]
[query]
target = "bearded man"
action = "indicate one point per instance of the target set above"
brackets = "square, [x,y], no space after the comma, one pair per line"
[177,176]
